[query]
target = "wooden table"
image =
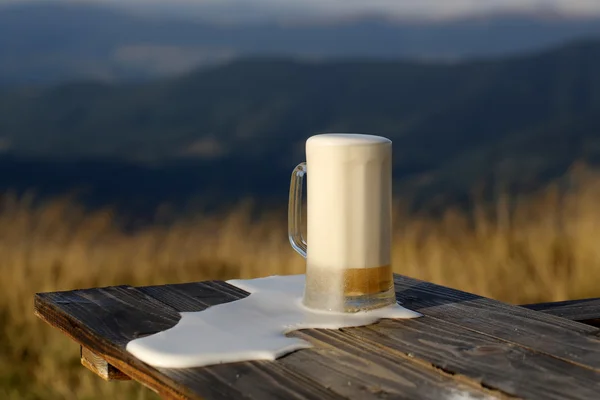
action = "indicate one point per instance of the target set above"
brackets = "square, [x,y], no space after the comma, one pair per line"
[464,347]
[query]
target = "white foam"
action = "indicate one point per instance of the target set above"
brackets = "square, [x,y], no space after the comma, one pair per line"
[346,139]
[253,328]
[349,201]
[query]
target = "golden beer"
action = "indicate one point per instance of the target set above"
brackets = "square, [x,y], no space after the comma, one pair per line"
[368,281]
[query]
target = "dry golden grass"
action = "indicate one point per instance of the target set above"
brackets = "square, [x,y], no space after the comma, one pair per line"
[542,248]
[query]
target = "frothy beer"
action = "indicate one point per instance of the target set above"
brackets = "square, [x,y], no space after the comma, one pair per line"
[349,193]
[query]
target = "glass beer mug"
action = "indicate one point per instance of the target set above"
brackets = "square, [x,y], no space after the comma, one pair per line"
[348,245]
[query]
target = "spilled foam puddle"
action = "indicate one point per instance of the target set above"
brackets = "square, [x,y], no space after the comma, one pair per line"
[248,329]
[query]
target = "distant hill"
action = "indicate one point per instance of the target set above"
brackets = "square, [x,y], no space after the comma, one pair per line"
[519,120]
[49,43]
[138,190]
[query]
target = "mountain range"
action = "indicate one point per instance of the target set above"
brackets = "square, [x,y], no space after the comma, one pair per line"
[45,43]
[239,128]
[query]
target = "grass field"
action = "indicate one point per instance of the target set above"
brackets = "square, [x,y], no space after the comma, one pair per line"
[540,248]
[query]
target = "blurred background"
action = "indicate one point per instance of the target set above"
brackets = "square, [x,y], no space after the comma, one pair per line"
[151,142]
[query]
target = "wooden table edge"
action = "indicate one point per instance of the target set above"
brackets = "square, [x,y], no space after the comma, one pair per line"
[163,388]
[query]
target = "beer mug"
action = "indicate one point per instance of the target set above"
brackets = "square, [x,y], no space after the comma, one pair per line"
[349,205]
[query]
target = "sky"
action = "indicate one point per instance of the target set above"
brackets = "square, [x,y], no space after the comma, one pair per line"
[430,9]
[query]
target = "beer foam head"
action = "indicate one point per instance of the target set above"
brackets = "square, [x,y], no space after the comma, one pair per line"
[346,139]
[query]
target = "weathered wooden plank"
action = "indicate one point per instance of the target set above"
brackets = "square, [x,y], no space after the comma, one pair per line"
[361,370]
[561,338]
[194,296]
[511,369]
[105,320]
[254,380]
[586,311]
[337,361]
[100,366]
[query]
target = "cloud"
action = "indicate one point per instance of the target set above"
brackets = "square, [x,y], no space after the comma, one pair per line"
[422,8]
[340,8]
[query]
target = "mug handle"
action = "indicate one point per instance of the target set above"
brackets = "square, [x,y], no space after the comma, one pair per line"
[295,210]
